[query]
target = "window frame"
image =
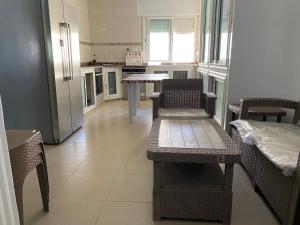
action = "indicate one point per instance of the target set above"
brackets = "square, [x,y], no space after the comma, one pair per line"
[215,33]
[146,32]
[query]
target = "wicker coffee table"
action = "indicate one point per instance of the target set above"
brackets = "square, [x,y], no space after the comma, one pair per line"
[188,180]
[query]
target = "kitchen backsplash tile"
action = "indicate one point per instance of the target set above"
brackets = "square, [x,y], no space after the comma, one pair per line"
[114,27]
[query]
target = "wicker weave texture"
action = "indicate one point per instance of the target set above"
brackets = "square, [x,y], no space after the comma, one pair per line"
[269,102]
[24,158]
[189,99]
[189,183]
[281,192]
[184,94]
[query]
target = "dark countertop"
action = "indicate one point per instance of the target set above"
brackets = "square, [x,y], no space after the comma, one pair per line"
[91,64]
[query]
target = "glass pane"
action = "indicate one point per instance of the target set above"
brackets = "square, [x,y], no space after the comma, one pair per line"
[183,47]
[112,83]
[219,101]
[99,85]
[159,38]
[207,25]
[83,89]
[183,39]
[224,29]
[205,83]
[157,85]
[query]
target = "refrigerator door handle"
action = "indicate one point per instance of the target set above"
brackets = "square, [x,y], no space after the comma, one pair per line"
[70,53]
[65,52]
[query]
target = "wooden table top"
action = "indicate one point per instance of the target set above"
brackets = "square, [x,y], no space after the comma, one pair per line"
[202,141]
[145,78]
[267,111]
[189,134]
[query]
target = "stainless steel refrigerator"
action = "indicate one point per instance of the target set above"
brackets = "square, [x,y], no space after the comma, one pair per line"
[40,81]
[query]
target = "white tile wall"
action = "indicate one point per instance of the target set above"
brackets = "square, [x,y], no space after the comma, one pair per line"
[84,27]
[114,22]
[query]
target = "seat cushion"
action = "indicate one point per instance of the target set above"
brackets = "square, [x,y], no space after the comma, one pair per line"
[279,142]
[182,113]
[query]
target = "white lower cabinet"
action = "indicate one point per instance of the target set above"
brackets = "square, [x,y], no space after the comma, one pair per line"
[174,71]
[88,89]
[112,83]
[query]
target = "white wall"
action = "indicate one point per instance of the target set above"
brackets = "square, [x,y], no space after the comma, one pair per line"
[168,7]
[84,28]
[8,205]
[114,27]
[266,50]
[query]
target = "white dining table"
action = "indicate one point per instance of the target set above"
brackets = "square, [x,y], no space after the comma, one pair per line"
[133,85]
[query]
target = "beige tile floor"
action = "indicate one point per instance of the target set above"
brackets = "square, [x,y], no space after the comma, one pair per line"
[101,176]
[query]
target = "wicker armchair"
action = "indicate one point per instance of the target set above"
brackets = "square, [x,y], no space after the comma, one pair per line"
[281,192]
[183,98]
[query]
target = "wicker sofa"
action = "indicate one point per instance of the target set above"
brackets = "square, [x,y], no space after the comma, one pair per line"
[183,98]
[281,192]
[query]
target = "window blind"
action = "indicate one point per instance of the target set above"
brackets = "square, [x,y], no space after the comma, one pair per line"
[184,25]
[160,26]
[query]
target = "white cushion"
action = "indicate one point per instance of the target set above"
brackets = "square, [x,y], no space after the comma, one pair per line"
[182,113]
[279,142]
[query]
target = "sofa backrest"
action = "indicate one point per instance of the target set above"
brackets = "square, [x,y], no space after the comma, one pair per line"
[178,93]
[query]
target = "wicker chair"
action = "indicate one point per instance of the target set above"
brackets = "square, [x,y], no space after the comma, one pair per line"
[26,152]
[183,98]
[281,192]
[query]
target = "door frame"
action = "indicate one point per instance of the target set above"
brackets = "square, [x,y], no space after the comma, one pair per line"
[8,206]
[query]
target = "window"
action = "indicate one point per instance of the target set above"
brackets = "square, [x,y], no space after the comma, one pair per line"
[159,40]
[216,31]
[206,29]
[223,32]
[171,40]
[183,40]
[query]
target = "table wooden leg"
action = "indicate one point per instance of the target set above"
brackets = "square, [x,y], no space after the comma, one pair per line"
[43,181]
[228,193]
[264,118]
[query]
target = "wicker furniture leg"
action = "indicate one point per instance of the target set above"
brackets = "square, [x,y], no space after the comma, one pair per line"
[156,191]
[42,173]
[45,168]
[26,154]
[228,193]
[19,198]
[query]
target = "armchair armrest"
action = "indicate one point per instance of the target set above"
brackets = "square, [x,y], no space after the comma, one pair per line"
[245,104]
[210,103]
[156,103]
